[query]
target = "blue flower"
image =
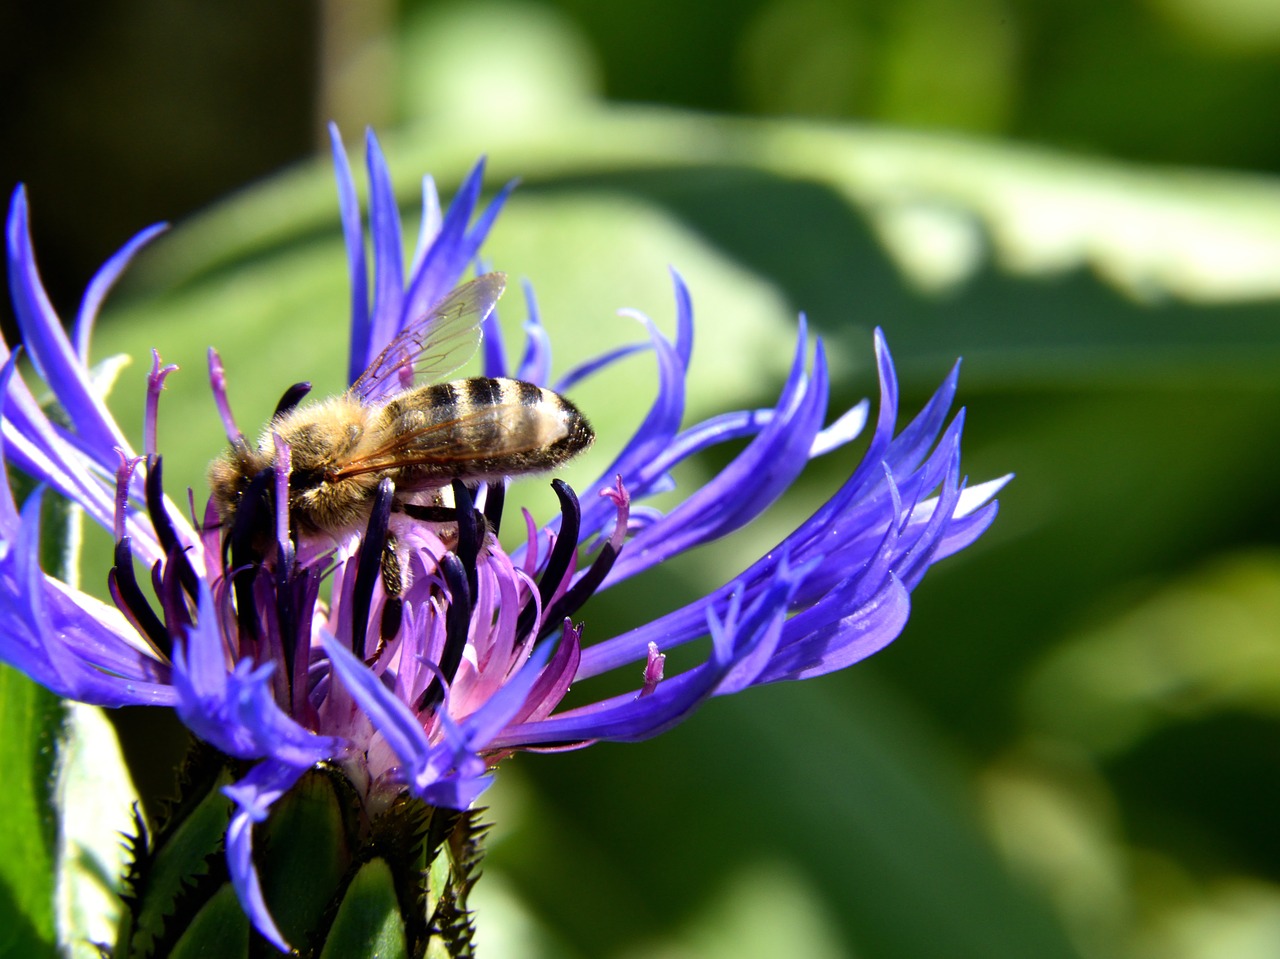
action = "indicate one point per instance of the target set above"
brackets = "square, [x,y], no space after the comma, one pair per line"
[424,688]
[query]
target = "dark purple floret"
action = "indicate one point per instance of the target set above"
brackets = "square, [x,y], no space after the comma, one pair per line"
[562,554]
[369,565]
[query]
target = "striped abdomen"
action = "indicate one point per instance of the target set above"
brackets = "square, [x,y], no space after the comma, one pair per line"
[478,428]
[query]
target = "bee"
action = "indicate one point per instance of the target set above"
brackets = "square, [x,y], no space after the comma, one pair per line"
[421,438]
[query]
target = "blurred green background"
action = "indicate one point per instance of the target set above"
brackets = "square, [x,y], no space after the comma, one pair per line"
[1074,748]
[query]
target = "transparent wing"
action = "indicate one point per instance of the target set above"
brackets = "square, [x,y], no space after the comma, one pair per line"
[438,342]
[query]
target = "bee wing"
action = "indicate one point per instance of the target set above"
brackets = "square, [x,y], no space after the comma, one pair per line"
[439,341]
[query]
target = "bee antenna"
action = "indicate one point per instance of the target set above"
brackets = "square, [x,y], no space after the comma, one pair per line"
[292,397]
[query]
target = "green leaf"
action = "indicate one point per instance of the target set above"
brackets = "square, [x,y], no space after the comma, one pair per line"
[166,878]
[94,799]
[303,853]
[368,923]
[31,717]
[220,929]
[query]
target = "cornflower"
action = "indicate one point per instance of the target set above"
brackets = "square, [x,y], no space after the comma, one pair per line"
[413,686]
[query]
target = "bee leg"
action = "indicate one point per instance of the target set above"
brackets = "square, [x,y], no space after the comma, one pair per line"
[393,587]
[445,514]
[428,514]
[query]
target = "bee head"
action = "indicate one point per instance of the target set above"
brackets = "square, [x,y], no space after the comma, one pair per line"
[230,475]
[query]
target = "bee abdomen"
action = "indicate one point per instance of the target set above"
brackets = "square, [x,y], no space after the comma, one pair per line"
[483,427]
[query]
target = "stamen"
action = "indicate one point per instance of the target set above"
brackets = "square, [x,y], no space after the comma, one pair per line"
[218,383]
[252,515]
[469,532]
[590,581]
[494,496]
[292,397]
[155,383]
[283,470]
[286,605]
[306,586]
[457,623]
[124,476]
[457,620]
[369,565]
[130,600]
[177,614]
[163,525]
[562,554]
[653,669]
[165,532]
[287,624]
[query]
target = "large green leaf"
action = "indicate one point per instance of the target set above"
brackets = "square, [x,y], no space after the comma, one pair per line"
[31,719]
[95,802]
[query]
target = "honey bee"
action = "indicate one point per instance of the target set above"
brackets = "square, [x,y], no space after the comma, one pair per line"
[421,438]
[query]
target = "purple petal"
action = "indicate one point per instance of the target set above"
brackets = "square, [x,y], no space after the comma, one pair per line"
[65,640]
[397,723]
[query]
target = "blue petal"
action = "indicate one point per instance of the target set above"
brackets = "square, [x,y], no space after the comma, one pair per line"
[47,342]
[254,796]
[493,347]
[535,365]
[660,426]
[51,632]
[584,370]
[388,251]
[353,235]
[752,481]
[8,506]
[742,644]
[392,718]
[840,641]
[429,225]
[101,285]
[454,247]
[235,709]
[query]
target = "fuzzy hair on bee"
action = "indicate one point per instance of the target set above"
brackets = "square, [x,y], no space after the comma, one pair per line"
[422,438]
